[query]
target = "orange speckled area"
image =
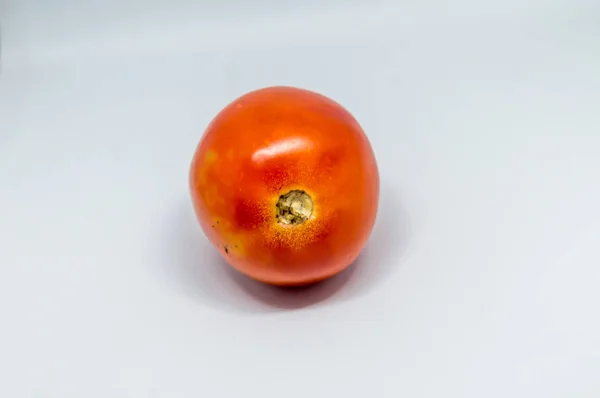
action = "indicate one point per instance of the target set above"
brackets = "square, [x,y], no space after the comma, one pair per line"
[265,144]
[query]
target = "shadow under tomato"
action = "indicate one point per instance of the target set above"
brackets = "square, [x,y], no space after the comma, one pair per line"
[195,268]
[293,297]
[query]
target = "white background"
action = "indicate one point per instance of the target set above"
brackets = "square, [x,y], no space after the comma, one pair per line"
[480,280]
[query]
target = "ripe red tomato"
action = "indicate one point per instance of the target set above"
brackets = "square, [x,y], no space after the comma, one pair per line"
[285,185]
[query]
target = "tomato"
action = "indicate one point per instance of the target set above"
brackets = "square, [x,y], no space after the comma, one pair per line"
[285,185]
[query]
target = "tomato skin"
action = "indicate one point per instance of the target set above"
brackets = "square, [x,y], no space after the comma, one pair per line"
[258,149]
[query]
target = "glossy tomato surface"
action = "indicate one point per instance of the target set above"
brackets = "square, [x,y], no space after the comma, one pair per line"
[285,185]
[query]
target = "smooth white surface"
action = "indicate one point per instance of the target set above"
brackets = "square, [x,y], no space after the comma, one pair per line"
[481,277]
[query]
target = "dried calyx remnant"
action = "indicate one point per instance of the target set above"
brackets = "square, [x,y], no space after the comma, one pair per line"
[294,208]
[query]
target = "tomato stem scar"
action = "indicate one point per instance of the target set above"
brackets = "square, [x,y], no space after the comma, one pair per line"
[294,207]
